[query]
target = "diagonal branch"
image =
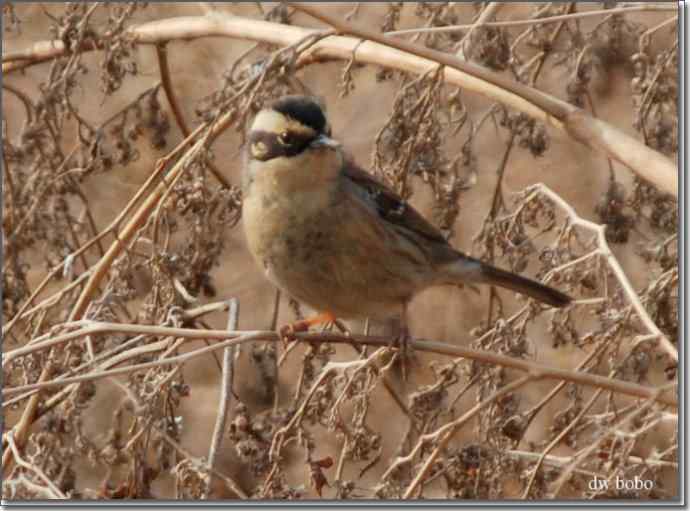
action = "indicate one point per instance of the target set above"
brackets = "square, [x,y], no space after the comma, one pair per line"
[396,54]
[577,123]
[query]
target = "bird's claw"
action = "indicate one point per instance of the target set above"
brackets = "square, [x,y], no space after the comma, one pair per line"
[401,343]
[288,332]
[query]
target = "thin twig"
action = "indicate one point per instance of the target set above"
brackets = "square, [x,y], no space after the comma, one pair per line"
[140,216]
[33,468]
[558,484]
[539,371]
[594,133]
[537,21]
[26,100]
[162,52]
[489,11]
[232,485]
[20,431]
[443,435]
[607,254]
[226,392]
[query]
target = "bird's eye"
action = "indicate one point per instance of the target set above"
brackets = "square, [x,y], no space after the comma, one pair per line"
[285,138]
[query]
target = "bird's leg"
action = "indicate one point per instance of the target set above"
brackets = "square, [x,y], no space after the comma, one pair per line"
[288,331]
[401,341]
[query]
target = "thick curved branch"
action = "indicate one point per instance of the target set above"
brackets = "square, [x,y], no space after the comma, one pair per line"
[392,53]
[581,126]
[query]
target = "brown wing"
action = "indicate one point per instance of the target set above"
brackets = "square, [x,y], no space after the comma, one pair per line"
[462,268]
[390,206]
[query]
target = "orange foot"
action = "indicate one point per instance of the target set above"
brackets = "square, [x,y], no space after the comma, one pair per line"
[287,332]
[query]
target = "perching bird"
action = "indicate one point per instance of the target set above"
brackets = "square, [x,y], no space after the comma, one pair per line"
[333,237]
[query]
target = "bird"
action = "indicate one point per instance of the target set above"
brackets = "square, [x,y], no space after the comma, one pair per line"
[331,235]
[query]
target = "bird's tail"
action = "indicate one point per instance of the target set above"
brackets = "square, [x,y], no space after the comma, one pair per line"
[468,270]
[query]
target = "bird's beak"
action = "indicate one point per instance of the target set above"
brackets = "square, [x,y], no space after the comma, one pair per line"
[324,141]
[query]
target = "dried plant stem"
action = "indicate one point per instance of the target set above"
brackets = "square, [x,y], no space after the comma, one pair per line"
[490,10]
[20,431]
[562,434]
[226,393]
[60,173]
[532,413]
[141,215]
[656,28]
[232,485]
[646,103]
[442,435]
[607,254]
[26,101]
[497,201]
[392,53]
[557,440]
[590,131]
[538,371]
[162,53]
[538,21]
[111,228]
[57,494]
[551,41]
[582,455]
[326,372]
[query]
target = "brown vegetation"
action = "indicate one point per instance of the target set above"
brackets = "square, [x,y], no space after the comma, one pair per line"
[140,358]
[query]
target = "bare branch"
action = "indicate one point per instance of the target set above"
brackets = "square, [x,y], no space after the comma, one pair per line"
[536,370]
[226,392]
[537,21]
[605,251]
[594,133]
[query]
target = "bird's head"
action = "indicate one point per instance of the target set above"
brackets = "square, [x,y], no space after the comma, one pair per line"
[289,148]
[289,128]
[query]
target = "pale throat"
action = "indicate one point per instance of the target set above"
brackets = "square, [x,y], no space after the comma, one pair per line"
[306,172]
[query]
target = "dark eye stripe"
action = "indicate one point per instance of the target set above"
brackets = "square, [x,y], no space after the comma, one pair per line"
[265,145]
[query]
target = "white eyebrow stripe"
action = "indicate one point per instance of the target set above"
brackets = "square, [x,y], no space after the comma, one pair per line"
[275,122]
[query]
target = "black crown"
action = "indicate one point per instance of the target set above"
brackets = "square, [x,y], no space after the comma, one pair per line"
[303,109]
